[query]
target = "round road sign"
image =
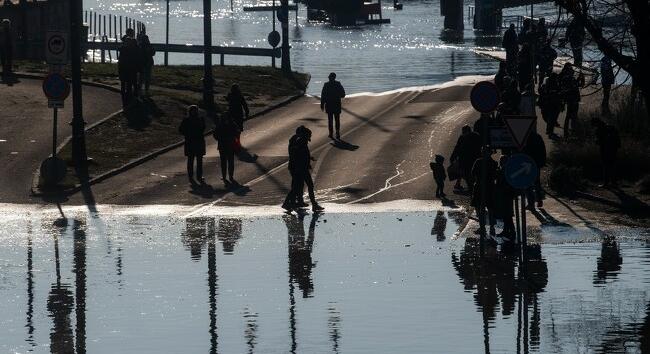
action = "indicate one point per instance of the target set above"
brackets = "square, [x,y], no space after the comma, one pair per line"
[485,97]
[53,170]
[56,44]
[274,38]
[521,171]
[56,87]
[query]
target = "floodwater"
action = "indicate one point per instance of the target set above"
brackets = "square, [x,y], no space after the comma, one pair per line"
[406,53]
[134,281]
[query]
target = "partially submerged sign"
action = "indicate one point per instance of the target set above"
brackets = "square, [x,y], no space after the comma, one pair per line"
[520,128]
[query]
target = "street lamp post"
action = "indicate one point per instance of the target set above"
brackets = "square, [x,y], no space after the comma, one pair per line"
[284,18]
[167,35]
[78,135]
[208,93]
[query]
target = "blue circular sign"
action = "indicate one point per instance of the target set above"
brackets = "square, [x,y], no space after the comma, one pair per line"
[56,87]
[485,97]
[521,171]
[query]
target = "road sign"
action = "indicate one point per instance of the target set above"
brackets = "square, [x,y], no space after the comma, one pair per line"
[520,128]
[501,138]
[521,171]
[274,38]
[485,97]
[56,47]
[56,87]
[53,170]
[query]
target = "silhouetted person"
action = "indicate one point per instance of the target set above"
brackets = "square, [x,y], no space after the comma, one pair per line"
[226,133]
[547,56]
[147,51]
[439,175]
[330,102]
[575,34]
[609,142]
[511,96]
[550,103]
[510,44]
[609,263]
[6,49]
[129,64]
[486,181]
[192,128]
[300,248]
[237,106]
[571,93]
[607,80]
[536,149]
[503,199]
[525,66]
[542,31]
[466,151]
[500,77]
[299,166]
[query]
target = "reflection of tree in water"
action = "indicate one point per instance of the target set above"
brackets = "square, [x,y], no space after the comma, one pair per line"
[196,235]
[494,281]
[439,226]
[300,247]
[229,233]
[609,263]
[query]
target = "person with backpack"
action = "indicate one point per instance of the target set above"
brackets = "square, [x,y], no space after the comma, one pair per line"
[609,142]
[192,128]
[330,102]
[147,51]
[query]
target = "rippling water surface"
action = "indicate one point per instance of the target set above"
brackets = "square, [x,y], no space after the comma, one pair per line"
[383,282]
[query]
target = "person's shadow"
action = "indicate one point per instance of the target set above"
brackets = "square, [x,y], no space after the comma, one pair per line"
[203,190]
[245,156]
[446,202]
[344,145]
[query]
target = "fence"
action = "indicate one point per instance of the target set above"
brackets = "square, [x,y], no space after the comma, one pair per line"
[106,29]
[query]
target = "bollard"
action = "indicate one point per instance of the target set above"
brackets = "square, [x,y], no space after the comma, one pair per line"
[223,61]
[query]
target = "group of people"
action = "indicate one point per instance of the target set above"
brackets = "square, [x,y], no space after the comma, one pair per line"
[135,64]
[6,49]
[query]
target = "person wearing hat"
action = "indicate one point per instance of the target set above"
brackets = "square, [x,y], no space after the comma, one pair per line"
[299,165]
[330,102]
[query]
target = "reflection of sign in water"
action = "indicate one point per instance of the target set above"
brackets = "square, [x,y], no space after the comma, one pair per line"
[274,38]
[56,47]
[521,171]
[485,97]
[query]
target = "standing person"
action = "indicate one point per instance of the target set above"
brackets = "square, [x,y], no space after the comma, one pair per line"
[575,34]
[607,80]
[299,165]
[500,77]
[477,195]
[550,103]
[192,128]
[525,66]
[439,175]
[466,151]
[147,52]
[6,49]
[547,56]
[510,44]
[226,133]
[571,92]
[536,149]
[237,106]
[330,102]
[128,67]
[608,140]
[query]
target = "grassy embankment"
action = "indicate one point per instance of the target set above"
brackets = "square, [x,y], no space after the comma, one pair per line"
[576,168]
[153,123]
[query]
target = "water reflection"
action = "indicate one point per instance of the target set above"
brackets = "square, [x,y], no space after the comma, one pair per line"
[300,248]
[229,233]
[334,326]
[212,282]
[497,280]
[609,263]
[250,332]
[79,264]
[439,226]
[196,235]
[30,288]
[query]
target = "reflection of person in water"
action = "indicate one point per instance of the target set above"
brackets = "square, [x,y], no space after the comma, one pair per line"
[609,263]
[535,281]
[229,233]
[300,247]
[197,232]
[439,226]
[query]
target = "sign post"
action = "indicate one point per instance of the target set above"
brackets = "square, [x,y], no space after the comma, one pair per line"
[56,89]
[56,47]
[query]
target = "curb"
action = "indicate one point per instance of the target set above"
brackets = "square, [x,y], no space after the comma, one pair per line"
[36,192]
[83,82]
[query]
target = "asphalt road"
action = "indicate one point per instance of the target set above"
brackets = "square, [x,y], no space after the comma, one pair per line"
[390,138]
[26,131]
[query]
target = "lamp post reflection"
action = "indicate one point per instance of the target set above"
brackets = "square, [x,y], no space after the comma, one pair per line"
[79,237]
[30,288]
[60,302]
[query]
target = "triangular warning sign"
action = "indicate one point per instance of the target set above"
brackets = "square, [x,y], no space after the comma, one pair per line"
[520,128]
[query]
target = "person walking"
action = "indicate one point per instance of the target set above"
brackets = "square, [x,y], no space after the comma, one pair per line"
[608,140]
[511,45]
[550,103]
[237,106]
[192,128]
[484,181]
[547,56]
[575,34]
[128,67]
[6,49]
[536,149]
[299,165]
[607,80]
[466,151]
[226,133]
[571,93]
[147,51]
[330,102]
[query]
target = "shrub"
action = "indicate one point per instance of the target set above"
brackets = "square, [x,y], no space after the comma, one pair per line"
[643,186]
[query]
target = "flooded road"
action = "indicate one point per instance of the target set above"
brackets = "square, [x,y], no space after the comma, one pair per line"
[135,280]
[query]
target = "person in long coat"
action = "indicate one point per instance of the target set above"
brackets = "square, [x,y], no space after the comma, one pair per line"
[129,64]
[226,133]
[330,102]
[192,128]
[299,166]
[466,151]
[237,106]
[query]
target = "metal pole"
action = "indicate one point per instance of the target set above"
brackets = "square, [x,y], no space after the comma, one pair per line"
[208,93]
[286,60]
[273,22]
[54,137]
[78,135]
[523,225]
[121,35]
[483,215]
[167,35]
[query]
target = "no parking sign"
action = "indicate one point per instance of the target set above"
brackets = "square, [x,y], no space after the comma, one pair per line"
[485,97]
[56,47]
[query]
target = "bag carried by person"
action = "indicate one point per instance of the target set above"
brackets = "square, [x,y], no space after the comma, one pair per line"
[236,144]
[453,171]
